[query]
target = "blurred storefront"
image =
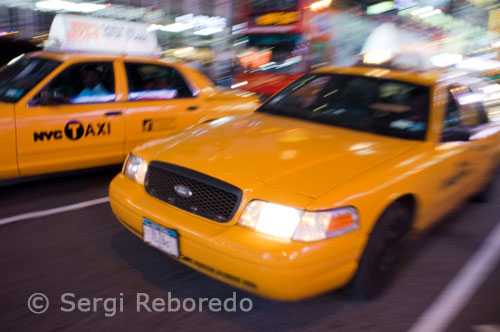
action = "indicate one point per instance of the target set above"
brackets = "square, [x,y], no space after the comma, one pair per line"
[280,39]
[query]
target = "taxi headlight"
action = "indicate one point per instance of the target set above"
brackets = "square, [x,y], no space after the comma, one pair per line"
[135,168]
[273,219]
[290,223]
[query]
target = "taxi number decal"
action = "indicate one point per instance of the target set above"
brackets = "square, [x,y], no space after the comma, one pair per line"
[464,170]
[74,130]
[158,124]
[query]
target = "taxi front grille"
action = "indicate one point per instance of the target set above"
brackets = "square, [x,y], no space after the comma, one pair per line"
[192,191]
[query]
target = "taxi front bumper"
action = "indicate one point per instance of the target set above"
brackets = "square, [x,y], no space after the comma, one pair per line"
[281,270]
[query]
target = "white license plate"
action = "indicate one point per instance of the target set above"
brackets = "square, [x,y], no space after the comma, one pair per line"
[167,240]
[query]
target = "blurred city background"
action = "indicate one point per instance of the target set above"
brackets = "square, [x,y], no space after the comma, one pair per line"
[258,46]
[261,45]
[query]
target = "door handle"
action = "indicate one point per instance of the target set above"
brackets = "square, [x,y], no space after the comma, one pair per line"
[113,113]
[192,108]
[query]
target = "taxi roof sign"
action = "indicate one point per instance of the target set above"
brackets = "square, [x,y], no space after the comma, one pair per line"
[74,33]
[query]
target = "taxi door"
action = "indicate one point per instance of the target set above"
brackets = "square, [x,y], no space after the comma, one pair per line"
[449,171]
[160,102]
[72,121]
[484,149]
[469,115]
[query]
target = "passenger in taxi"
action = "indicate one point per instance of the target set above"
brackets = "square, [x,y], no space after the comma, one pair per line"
[157,82]
[92,83]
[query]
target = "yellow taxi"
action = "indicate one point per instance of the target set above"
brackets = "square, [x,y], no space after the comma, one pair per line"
[319,188]
[67,110]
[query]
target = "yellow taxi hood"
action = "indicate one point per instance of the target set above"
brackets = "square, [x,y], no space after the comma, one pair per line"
[299,156]
[246,101]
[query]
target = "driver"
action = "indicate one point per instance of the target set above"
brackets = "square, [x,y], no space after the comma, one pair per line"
[93,86]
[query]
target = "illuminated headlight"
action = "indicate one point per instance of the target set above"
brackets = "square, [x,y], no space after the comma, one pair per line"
[135,168]
[290,223]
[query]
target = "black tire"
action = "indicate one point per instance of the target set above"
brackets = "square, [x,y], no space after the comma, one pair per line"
[485,194]
[382,253]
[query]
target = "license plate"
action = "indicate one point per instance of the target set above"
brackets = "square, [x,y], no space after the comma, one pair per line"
[165,239]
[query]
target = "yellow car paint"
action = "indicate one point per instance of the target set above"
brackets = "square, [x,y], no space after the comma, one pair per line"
[38,138]
[313,167]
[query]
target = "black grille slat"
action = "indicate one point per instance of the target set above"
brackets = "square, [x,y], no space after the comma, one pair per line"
[211,198]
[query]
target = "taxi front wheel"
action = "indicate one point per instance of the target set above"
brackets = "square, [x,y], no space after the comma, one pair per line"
[486,192]
[382,253]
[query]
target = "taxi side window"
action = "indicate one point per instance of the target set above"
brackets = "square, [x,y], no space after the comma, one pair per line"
[155,82]
[463,109]
[82,83]
[452,116]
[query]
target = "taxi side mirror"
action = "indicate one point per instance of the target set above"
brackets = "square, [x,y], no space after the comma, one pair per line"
[455,134]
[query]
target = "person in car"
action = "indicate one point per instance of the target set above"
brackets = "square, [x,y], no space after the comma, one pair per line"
[91,81]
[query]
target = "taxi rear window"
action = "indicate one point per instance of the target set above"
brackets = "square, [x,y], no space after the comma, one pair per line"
[23,74]
[380,106]
[155,82]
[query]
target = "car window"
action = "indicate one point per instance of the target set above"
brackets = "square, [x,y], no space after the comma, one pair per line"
[452,116]
[482,113]
[155,82]
[381,106]
[89,82]
[464,108]
[22,74]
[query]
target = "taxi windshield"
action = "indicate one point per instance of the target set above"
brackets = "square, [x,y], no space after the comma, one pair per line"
[21,75]
[368,104]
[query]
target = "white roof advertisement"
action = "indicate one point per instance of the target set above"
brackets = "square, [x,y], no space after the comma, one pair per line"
[73,33]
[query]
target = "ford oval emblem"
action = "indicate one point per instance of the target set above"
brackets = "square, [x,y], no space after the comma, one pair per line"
[183,191]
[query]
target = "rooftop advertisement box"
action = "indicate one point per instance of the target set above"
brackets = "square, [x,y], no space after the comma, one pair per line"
[73,33]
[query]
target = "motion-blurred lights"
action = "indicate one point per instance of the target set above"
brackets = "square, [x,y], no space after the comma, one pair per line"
[268,65]
[320,4]
[478,64]
[446,59]
[51,5]
[183,52]
[485,133]
[377,57]
[89,7]
[431,13]
[57,5]
[200,22]
[40,36]
[452,75]
[6,33]
[421,10]
[491,88]
[208,31]
[237,85]
[239,28]
[291,61]
[492,99]
[176,27]
[380,8]
[470,98]
[17,58]
[240,42]
[154,27]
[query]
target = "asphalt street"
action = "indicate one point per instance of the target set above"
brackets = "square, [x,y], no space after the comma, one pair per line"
[87,253]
